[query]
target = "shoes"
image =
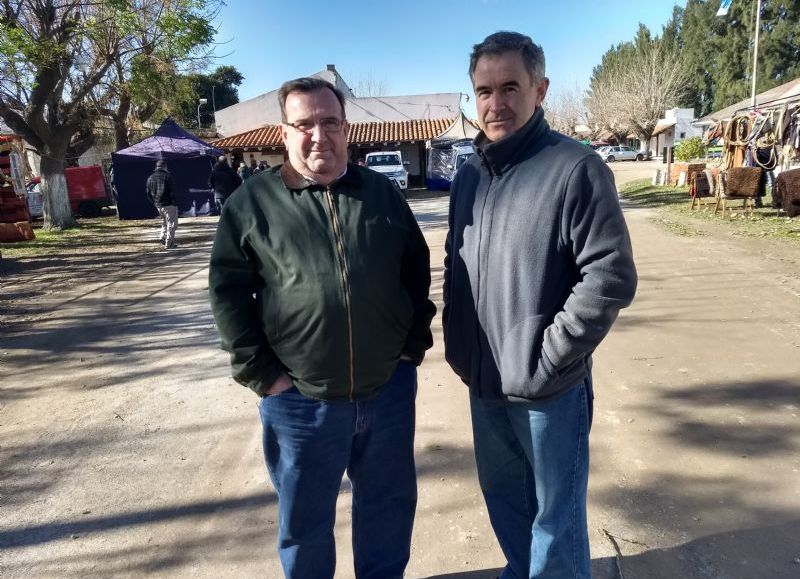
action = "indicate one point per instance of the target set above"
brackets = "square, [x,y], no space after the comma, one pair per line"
[171,246]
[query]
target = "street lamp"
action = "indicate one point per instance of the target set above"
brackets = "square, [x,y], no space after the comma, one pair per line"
[202,102]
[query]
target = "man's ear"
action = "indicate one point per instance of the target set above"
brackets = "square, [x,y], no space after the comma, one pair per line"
[541,91]
[284,133]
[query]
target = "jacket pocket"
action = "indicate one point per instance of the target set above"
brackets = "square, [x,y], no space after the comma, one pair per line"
[459,333]
[525,371]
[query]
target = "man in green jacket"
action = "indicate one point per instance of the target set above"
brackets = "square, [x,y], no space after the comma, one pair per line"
[319,281]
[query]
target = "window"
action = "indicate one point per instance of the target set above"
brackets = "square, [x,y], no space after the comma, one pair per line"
[382,160]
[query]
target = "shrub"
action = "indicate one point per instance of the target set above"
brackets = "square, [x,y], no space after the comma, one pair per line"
[689,149]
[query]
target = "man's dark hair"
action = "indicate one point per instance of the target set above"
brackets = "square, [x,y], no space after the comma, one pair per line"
[502,42]
[305,85]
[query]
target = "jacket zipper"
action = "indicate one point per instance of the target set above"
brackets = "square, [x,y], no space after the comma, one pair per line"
[345,274]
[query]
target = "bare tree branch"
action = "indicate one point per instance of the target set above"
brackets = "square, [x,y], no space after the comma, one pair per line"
[632,92]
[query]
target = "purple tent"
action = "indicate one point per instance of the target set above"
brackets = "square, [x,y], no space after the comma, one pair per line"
[189,161]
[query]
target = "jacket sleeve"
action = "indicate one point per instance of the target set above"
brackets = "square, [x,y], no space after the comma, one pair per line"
[448,259]
[416,278]
[593,230]
[232,283]
[149,191]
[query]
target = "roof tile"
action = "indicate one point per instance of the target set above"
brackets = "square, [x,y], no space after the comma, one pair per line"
[359,133]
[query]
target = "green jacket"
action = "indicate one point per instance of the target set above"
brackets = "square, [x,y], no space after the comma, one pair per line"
[329,284]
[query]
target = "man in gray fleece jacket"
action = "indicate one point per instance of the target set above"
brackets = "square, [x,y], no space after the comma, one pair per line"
[538,264]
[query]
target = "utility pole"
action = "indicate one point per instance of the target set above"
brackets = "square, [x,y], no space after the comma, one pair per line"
[755,53]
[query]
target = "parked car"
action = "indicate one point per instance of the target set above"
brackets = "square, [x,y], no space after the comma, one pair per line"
[620,153]
[598,144]
[391,164]
[86,187]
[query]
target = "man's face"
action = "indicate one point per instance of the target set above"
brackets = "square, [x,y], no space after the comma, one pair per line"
[315,148]
[505,94]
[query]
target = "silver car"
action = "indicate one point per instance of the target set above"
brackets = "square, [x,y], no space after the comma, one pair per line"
[619,153]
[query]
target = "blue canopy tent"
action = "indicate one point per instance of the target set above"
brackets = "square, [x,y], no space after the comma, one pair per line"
[189,161]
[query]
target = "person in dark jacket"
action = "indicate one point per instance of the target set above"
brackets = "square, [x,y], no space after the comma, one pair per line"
[538,263]
[319,281]
[223,181]
[161,192]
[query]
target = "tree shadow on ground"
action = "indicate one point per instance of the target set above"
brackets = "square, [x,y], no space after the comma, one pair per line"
[748,553]
[480,574]
[37,534]
[715,488]
[153,542]
[431,213]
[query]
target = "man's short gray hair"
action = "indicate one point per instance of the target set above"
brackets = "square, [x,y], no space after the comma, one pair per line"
[305,85]
[501,42]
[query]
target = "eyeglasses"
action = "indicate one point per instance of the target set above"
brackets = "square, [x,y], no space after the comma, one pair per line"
[327,125]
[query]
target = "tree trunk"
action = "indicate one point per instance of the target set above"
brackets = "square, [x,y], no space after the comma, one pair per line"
[120,119]
[81,143]
[56,208]
[645,137]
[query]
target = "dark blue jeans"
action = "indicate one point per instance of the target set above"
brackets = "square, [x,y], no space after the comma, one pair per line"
[308,446]
[533,468]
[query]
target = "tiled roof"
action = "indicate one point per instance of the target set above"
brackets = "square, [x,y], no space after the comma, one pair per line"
[388,131]
[360,133]
[663,127]
[268,136]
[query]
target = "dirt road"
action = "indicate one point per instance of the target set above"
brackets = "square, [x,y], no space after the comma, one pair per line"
[125,449]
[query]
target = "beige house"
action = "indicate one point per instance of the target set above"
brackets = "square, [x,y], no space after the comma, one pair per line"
[404,123]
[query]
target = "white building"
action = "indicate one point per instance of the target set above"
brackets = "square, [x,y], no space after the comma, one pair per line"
[263,110]
[673,128]
[404,123]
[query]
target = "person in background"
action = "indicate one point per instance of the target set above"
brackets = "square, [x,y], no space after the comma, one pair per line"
[223,181]
[538,263]
[319,281]
[244,172]
[161,192]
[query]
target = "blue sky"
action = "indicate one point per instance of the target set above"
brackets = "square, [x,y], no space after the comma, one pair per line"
[417,46]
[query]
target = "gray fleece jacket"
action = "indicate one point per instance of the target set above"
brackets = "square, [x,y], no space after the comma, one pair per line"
[538,264]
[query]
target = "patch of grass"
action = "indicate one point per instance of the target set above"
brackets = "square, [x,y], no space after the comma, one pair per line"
[643,194]
[678,227]
[87,233]
[675,212]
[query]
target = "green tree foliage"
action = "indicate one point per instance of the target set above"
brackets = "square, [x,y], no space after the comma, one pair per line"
[64,64]
[219,88]
[689,149]
[719,50]
[635,83]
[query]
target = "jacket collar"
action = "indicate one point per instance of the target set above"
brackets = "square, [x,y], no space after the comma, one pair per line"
[499,156]
[295,181]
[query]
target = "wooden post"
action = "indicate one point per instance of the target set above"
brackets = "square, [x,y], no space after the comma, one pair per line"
[668,180]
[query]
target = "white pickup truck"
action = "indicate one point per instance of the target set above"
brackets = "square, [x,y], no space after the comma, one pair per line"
[391,164]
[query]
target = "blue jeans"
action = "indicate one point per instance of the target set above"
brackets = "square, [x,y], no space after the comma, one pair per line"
[533,467]
[308,446]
